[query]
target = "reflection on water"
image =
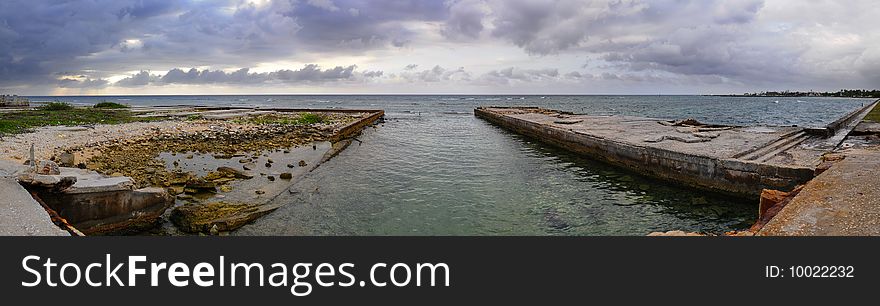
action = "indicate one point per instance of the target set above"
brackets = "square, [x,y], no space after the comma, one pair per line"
[458,175]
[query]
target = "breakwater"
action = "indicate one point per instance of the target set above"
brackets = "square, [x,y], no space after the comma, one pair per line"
[736,160]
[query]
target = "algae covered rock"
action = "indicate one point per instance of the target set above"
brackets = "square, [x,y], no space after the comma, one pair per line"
[221,216]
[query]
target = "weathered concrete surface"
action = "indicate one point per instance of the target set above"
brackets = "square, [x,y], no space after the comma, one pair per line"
[842,201]
[98,204]
[20,214]
[724,159]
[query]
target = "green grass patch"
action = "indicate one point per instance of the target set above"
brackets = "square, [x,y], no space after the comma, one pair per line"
[26,120]
[110,105]
[301,119]
[56,106]
[194,117]
[874,115]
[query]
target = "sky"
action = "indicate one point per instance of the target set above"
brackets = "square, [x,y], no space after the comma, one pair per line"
[107,47]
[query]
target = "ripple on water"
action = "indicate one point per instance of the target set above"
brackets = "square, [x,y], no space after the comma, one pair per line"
[418,177]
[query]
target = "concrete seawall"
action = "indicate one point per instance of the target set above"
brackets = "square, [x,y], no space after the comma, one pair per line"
[714,164]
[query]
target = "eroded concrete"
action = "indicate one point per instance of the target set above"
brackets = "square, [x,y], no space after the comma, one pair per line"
[842,201]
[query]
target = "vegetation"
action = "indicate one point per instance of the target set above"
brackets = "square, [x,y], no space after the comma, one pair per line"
[301,119]
[874,115]
[110,105]
[56,106]
[57,113]
[194,117]
[847,93]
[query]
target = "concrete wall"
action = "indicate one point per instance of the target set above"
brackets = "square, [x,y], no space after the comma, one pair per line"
[729,176]
[355,128]
[111,211]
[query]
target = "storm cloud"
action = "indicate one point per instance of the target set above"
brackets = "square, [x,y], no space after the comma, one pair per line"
[102,45]
[309,74]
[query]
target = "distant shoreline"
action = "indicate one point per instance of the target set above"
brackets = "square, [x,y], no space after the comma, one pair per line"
[843,93]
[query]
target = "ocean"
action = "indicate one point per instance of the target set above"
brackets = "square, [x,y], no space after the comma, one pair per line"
[432,168]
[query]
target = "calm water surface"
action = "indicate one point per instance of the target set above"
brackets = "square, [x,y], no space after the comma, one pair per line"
[434,169]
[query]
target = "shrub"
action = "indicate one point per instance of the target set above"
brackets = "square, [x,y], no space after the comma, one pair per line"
[56,106]
[106,104]
[309,118]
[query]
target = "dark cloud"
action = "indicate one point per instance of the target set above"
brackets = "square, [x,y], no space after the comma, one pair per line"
[309,74]
[465,19]
[85,83]
[40,38]
[80,44]
[142,78]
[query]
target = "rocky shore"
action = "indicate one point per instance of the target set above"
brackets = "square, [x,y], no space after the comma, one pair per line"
[214,175]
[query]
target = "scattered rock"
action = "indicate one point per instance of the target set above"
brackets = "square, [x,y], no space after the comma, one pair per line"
[48,167]
[302,163]
[247,167]
[270,161]
[66,159]
[268,165]
[271,178]
[235,173]
[175,190]
[260,191]
[244,160]
[201,185]
[290,165]
[214,231]
[286,176]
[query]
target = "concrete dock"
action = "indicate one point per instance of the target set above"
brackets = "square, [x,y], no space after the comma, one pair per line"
[725,159]
[728,159]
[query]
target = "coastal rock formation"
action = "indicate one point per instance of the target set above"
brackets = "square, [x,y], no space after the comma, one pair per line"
[217,216]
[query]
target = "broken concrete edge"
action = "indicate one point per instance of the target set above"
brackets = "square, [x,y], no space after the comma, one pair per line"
[93,203]
[728,176]
[772,202]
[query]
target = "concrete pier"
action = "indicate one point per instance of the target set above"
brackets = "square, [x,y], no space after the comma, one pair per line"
[734,160]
